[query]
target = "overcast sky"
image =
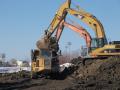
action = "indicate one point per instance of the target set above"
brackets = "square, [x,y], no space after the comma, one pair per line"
[22,23]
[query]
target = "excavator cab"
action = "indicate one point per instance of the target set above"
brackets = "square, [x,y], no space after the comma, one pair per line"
[97,43]
[41,61]
[44,62]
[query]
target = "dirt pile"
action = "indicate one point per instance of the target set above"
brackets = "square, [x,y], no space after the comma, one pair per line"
[97,75]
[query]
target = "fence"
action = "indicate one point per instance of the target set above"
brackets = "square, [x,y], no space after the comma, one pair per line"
[13,69]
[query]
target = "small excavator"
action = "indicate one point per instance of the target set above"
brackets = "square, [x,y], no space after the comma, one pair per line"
[45,57]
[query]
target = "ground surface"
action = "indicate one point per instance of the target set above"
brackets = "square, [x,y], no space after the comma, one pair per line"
[94,75]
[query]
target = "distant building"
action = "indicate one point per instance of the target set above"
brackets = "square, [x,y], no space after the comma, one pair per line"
[19,63]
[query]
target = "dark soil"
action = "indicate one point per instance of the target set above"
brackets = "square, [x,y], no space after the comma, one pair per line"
[94,75]
[97,75]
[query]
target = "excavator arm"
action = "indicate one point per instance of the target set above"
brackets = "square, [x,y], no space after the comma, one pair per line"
[83,33]
[87,18]
[93,22]
[60,15]
[45,42]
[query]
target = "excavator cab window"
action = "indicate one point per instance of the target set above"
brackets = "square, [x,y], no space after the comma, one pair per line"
[94,43]
[97,43]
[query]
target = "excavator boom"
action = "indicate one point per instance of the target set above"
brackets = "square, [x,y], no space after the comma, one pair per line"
[83,33]
[90,20]
[60,15]
[93,22]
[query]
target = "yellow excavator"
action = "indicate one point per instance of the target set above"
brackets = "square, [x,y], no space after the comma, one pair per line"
[99,45]
[45,57]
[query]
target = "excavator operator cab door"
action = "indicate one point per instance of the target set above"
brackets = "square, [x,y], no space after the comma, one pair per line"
[94,43]
[84,51]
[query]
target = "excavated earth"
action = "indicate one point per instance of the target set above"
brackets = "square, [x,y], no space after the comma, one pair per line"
[92,75]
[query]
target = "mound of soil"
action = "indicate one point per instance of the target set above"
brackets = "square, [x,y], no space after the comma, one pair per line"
[97,75]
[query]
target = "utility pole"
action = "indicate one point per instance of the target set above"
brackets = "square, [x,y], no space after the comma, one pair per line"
[66,47]
[69,44]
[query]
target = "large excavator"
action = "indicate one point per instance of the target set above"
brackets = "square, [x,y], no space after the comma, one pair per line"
[45,57]
[99,45]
